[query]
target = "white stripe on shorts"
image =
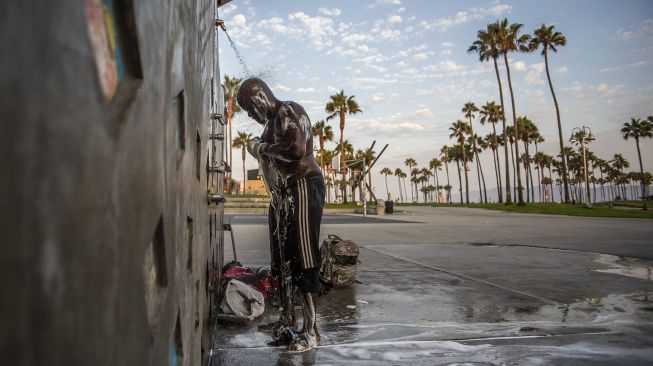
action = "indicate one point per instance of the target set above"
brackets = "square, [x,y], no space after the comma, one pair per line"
[305,242]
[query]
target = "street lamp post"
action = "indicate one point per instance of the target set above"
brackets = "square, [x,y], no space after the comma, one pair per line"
[583,135]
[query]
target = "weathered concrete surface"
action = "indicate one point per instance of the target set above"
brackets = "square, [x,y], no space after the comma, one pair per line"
[443,286]
[89,186]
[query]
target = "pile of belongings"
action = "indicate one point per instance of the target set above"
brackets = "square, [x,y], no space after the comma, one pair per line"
[245,290]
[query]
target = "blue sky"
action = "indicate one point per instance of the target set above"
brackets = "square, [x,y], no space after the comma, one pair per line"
[407,65]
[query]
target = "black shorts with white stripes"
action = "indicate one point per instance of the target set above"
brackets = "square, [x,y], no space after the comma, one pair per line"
[302,226]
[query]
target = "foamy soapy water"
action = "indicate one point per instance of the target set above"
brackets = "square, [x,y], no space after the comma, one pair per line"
[621,266]
[518,342]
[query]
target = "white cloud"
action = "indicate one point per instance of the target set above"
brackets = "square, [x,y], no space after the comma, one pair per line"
[449,66]
[239,20]
[356,37]
[302,26]
[332,89]
[642,30]
[378,97]
[394,19]
[447,45]
[420,56]
[370,82]
[561,70]
[495,10]
[392,128]
[628,66]
[446,53]
[518,65]
[310,102]
[280,87]
[424,112]
[410,71]
[624,35]
[330,12]
[384,2]
[401,10]
[306,90]
[422,92]
[389,34]
[534,74]
[227,9]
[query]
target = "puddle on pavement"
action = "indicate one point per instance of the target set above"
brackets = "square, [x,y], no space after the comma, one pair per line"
[422,317]
[624,266]
[361,324]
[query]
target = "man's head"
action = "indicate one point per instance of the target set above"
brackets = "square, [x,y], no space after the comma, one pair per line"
[255,97]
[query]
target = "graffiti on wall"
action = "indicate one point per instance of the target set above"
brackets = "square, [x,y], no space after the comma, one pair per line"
[101,24]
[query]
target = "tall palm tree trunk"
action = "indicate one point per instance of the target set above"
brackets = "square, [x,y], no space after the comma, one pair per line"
[551,184]
[505,134]
[322,153]
[539,176]
[562,152]
[641,171]
[496,173]
[387,193]
[446,166]
[480,168]
[466,177]
[401,195]
[405,192]
[478,174]
[520,195]
[244,172]
[514,176]
[343,167]
[437,184]
[460,182]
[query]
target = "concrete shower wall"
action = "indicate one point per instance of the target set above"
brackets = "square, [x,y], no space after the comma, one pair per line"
[107,237]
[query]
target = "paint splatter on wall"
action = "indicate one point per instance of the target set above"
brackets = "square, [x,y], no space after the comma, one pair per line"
[100,17]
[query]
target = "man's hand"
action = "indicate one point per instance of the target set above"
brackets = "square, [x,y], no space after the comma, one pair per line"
[253,146]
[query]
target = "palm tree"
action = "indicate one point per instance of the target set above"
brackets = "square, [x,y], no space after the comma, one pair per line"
[426,175]
[459,130]
[386,172]
[400,174]
[340,105]
[445,157]
[510,41]
[550,40]
[528,133]
[436,165]
[328,183]
[480,147]
[637,129]
[241,141]
[230,87]
[491,113]
[403,176]
[468,110]
[619,163]
[487,47]
[410,162]
[348,150]
[368,157]
[325,133]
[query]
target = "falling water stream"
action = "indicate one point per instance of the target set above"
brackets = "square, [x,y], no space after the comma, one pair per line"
[241,61]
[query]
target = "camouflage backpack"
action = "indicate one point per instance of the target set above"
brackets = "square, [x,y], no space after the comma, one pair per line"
[339,259]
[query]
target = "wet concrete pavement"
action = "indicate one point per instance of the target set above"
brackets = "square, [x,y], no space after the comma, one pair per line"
[449,286]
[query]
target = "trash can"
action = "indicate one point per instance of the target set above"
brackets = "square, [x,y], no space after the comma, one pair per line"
[389,207]
[380,207]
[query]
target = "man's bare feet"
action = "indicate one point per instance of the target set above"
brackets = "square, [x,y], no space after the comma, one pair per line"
[304,342]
